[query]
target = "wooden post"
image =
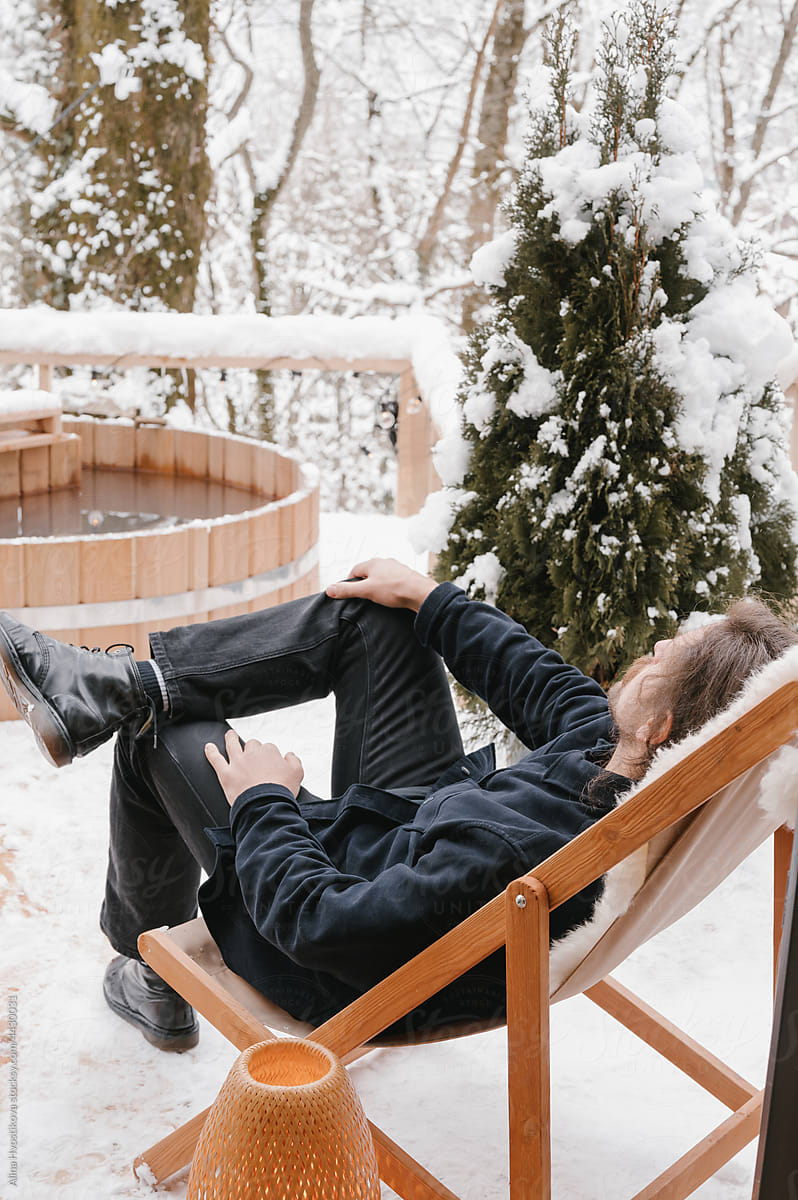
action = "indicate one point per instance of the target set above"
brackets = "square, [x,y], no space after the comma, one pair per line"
[782,853]
[792,395]
[527,919]
[45,374]
[416,476]
[776,1173]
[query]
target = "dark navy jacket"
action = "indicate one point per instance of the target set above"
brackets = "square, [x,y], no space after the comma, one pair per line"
[314,903]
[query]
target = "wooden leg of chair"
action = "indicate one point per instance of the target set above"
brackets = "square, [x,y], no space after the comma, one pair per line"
[527,917]
[713,1152]
[408,1178]
[672,1043]
[782,854]
[174,1151]
[401,1172]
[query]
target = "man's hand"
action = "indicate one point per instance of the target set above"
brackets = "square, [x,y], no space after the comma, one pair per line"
[385,581]
[253,763]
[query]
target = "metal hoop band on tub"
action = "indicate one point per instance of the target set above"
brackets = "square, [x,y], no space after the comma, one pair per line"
[148,610]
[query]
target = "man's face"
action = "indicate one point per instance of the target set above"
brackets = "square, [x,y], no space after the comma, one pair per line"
[637,695]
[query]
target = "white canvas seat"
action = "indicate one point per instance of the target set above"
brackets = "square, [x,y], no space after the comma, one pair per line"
[677,869]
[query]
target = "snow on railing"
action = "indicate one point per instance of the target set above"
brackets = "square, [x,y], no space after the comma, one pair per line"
[414,347]
[21,401]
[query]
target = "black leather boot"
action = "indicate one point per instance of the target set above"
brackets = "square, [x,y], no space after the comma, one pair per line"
[72,698]
[138,995]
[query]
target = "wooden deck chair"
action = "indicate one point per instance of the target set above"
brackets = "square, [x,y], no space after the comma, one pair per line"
[702,807]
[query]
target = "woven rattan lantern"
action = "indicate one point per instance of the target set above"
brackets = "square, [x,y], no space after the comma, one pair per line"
[287,1123]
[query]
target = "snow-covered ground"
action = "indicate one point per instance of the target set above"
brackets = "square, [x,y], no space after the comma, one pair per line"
[91,1093]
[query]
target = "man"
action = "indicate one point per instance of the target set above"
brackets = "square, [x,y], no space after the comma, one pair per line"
[313,901]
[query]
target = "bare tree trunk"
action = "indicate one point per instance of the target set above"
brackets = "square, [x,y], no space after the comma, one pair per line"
[725,167]
[489,157]
[264,201]
[765,109]
[263,205]
[429,238]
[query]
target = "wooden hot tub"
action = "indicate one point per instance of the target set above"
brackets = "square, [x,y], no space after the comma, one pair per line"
[100,588]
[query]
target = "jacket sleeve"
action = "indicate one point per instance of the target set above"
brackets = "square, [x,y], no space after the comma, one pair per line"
[357,929]
[530,688]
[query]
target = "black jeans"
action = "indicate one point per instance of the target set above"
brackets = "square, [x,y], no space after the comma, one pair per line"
[395,728]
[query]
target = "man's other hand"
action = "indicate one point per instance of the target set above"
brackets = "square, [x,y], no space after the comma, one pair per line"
[385,581]
[253,763]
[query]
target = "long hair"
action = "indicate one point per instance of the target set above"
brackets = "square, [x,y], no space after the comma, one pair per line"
[704,676]
[708,672]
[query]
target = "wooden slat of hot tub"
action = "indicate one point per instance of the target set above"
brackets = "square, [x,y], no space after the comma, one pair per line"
[9,474]
[84,427]
[237,465]
[303,536]
[159,627]
[162,563]
[306,587]
[264,465]
[216,459]
[198,618]
[286,512]
[155,449]
[278,597]
[229,556]
[65,461]
[315,510]
[264,541]
[286,477]
[12,575]
[107,569]
[191,453]
[52,577]
[311,583]
[34,469]
[234,610]
[199,551]
[114,445]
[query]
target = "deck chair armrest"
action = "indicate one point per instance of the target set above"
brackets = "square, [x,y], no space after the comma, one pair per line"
[685,787]
[213,1000]
[414,982]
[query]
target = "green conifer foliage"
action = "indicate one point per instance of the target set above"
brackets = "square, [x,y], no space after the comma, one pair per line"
[626,467]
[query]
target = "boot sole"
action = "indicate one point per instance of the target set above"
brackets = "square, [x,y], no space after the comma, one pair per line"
[48,728]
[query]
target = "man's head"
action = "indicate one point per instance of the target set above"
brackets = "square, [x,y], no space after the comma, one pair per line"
[690,678]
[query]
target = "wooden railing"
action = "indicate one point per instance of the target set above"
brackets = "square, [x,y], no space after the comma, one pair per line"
[416,476]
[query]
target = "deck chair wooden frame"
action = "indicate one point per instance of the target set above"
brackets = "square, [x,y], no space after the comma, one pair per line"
[519,920]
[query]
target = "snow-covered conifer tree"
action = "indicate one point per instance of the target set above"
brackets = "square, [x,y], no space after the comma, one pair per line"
[626,439]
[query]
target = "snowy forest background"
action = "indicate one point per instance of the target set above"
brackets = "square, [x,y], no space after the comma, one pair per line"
[336,156]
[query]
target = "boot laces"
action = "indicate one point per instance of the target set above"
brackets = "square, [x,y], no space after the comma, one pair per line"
[152,718]
[112,649]
[150,723]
